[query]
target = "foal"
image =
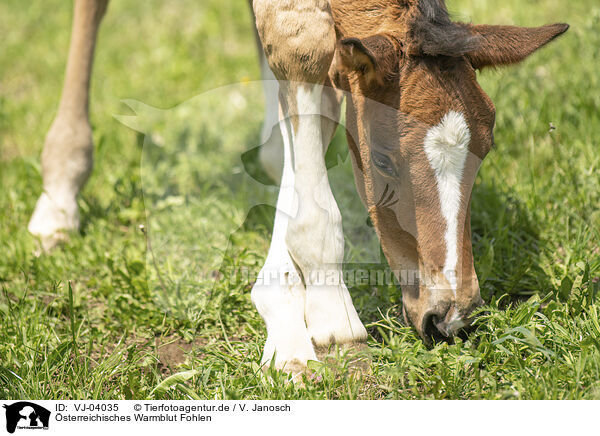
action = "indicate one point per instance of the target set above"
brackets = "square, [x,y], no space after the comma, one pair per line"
[418,127]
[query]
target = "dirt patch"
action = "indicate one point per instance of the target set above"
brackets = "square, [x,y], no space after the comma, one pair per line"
[173,351]
[169,351]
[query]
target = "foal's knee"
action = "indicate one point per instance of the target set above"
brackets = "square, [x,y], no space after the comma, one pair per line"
[298,39]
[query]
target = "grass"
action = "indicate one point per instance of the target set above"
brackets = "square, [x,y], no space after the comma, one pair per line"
[93,319]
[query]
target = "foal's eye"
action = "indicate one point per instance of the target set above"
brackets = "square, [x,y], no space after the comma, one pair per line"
[382,162]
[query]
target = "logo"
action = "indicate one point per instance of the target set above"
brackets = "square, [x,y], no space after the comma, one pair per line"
[26,415]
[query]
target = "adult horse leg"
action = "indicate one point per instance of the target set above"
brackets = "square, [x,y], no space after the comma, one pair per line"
[67,158]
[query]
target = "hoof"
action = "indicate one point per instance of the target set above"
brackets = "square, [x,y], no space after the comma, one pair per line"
[52,221]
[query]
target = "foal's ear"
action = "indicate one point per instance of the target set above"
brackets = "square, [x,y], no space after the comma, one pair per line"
[376,57]
[503,45]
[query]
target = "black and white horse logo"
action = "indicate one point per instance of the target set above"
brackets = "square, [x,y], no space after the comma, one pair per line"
[26,415]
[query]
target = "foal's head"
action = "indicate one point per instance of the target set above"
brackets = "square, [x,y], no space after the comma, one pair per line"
[419,126]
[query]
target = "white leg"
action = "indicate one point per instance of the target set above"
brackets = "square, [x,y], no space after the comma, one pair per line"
[314,236]
[299,37]
[278,293]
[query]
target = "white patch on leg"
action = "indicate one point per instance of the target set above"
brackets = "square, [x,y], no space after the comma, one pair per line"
[315,238]
[446,146]
[279,297]
[278,294]
[66,164]
[54,215]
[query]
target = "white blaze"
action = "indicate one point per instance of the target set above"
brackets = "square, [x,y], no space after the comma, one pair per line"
[446,146]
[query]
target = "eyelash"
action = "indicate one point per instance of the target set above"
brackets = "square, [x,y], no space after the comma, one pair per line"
[383,163]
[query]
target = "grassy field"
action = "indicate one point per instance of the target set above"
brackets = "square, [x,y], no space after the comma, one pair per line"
[95,320]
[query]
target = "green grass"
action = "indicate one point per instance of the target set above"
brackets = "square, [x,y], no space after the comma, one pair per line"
[93,319]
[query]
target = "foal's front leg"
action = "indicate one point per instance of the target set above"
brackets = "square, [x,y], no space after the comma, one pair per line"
[314,236]
[299,39]
[279,294]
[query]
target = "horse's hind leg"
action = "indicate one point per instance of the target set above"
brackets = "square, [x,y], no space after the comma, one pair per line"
[67,157]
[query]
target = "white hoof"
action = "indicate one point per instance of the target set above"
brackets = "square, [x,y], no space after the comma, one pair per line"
[331,316]
[53,219]
[278,295]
